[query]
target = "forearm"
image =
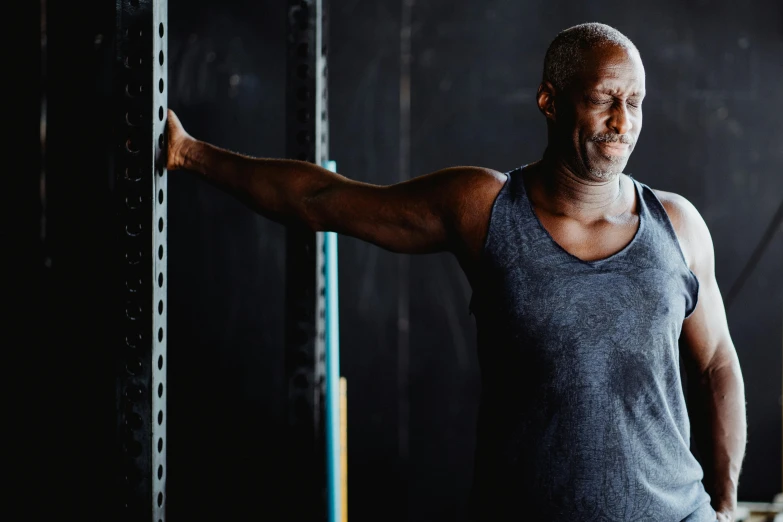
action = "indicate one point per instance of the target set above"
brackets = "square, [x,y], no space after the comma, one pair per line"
[724,395]
[279,189]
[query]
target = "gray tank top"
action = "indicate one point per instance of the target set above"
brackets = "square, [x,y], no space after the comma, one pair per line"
[582,413]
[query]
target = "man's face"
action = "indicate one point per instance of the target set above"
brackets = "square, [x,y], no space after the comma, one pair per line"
[599,117]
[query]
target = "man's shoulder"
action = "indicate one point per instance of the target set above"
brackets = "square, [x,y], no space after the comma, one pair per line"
[470,189]
[688,224]
[464,177]
[682,213]
[468,195]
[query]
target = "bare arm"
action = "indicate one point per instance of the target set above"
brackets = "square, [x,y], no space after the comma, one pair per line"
[447,210]
[712,365]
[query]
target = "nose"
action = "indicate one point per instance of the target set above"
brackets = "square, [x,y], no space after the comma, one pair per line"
[619,121]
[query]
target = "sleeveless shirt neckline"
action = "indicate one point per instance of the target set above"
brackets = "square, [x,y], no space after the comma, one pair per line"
[596,262]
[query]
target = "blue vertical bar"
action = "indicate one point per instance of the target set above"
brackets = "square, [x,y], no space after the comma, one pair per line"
[332,373]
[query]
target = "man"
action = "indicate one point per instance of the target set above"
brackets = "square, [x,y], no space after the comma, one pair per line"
[588,286]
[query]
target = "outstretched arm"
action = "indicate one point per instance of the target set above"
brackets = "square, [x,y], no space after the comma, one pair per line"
[445,210]
[713,367]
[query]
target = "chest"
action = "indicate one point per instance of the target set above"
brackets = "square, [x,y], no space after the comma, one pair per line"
[557,300]
[599,240]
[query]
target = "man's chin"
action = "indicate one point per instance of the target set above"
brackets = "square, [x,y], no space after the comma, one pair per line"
[606,169]
[606,174]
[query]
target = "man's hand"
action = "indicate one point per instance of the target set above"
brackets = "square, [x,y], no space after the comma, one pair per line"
[178,140]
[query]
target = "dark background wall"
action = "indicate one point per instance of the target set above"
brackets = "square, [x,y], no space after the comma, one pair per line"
[712,134]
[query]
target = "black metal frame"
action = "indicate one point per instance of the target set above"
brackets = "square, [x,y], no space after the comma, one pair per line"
[140,189]
[307,139]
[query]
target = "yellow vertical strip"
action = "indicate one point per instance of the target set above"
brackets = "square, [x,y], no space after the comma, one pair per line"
[344,448]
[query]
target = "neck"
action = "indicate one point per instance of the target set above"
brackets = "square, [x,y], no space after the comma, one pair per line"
[558,189]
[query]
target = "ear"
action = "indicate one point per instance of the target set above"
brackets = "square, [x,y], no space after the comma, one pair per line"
[546,100]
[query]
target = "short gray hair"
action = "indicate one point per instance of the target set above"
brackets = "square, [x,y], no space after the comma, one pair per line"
[564,55]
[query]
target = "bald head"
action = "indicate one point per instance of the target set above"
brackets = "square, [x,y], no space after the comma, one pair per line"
[565,56]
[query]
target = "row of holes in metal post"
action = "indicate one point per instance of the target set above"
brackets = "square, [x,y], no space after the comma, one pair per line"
[133,201]
[304,136]
[132,148]
[162,154]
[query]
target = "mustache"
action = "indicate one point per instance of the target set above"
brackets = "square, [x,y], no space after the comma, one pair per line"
[612,138]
